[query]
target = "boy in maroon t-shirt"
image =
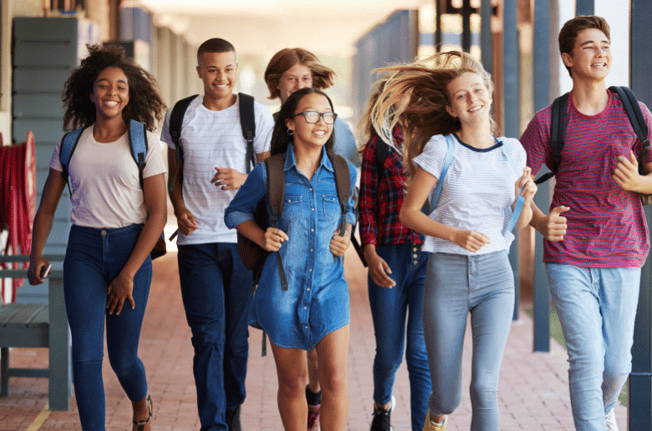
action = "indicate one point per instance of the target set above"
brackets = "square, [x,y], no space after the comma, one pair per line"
[596,236]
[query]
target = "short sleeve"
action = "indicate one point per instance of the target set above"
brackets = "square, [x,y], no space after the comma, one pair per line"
[165,132]
[55,162]
[154,163]
[432,158]
[264,128]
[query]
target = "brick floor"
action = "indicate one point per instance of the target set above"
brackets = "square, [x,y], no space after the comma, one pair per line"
[533,392]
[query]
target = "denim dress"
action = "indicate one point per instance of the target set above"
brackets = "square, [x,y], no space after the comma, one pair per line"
[317,300]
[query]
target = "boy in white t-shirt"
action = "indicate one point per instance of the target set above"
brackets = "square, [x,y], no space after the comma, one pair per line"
[215,286]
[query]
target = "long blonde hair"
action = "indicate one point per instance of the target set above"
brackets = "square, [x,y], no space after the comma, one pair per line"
[415,97]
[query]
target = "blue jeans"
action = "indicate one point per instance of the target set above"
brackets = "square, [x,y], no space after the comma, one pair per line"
[457,285]
[596,309]
[216,291]
[389,310]
[95,257]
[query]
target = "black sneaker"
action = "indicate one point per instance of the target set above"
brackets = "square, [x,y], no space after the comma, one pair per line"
[381,420]
[233,419]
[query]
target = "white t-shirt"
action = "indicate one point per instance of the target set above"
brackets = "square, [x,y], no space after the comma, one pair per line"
[106,191]
[211,139]
[478,191]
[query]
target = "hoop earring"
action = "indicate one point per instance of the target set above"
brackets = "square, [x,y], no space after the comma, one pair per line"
[290,132]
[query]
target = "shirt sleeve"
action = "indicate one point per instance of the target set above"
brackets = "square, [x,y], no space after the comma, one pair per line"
[154,163]
[432,158]
[536,142]
[244,203]
[264,128]
[351,216]
[55,161]
[369,194]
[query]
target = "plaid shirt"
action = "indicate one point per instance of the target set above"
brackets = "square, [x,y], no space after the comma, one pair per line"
[380,201]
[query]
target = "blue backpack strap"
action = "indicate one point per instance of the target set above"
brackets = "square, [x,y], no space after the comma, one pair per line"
[448,161]
[68,145]
[138,145]
[520,199]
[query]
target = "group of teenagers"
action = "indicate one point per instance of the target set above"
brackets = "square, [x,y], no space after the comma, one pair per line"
[432,262]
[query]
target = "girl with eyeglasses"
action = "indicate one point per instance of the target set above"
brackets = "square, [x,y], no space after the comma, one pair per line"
[313,313]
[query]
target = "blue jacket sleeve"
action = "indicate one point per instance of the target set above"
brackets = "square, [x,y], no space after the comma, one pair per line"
[244,203]
[351,215]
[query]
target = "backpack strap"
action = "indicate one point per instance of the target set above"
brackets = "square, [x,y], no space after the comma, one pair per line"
[343,184]
[248,124]
[637,119]
[68,146]
[382,151]
[448,161]
[520,200]
[276,193]
[557,135]
[175,125]
[138,145]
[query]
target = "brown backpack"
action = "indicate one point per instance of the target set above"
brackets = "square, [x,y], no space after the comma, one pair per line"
[254,256]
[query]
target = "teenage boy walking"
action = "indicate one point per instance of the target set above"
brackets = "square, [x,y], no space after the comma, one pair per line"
[596,236]
[215,286]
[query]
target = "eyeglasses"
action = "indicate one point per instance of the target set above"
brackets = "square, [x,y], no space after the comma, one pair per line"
[312,117]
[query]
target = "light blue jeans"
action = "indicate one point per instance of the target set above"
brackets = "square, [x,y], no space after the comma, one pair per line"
[457,285]
[596,309]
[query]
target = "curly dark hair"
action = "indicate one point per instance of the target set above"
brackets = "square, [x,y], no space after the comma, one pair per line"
[145,103]
[280,137]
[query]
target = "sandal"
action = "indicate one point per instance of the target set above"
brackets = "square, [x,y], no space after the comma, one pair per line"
[140,425]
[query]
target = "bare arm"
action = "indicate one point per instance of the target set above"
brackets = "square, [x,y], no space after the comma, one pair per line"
[185,219]
[43,221]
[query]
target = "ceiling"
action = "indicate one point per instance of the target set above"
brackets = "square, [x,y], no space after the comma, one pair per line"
[264,26]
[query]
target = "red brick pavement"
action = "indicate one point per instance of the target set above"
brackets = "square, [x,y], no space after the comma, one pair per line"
[533,392]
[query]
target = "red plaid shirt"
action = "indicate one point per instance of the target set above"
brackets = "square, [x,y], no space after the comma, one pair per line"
[380,201]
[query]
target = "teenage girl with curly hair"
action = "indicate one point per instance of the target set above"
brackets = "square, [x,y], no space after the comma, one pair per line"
[115,224]
[468,271]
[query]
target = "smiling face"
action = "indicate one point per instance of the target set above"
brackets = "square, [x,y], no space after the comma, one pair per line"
[110,93]
[306,134]
[591,56]
[470,98]
[218,72]
[295,78]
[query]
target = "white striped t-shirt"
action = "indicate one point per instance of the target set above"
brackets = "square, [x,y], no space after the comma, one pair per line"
[478,191]
[213,139]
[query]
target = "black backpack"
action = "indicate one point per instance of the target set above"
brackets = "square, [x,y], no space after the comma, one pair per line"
[253,256]
[558,131]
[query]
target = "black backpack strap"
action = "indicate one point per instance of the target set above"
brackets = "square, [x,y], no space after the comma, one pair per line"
[343,184]
[637,119]
[276,193]
[248,123]
[557,135]
[175,125]
[382,151]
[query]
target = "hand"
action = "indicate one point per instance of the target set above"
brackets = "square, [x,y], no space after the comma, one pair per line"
[379,270]
[626,174]
[228,179]
[554,226]
[120,290]
[186,222]
[274,239]
[526,182]
[471,240]
[36,267]
[339,243]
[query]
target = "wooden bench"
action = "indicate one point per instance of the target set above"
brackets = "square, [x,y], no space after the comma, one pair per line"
[38,325]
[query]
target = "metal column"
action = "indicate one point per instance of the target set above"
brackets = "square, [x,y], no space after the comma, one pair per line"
[584,7]
[542,199]
[511,103]
[640,380]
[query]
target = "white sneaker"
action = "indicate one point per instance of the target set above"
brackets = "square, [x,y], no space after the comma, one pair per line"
[610,420]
